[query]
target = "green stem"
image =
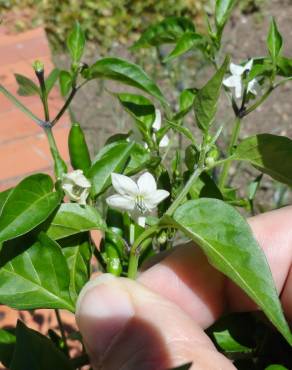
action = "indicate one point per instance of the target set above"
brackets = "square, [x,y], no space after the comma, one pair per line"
[139,245]
[65,106]
[44,97]
[62,331]
[60,166]
[233,141]
[200,168]
[258,103]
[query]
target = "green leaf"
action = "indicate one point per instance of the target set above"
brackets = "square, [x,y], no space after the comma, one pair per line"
[185,44]
[76,43]
[51,80]
[34,277]
[274,41]
[65,80]
[167,31]
[206,100]
[26,87]
[227,240]
[30,203]
[223,11]
[139,107]
[271,154]
[7,344]
[234,333]
[77,251]
[3,198]
[139,159]
[285,66]
[112,158]
[19,105]
[128,73]
[276,367]
[72,218]
[186,101]
[34,351]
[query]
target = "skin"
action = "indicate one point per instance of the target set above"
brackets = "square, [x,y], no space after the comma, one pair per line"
[158,321]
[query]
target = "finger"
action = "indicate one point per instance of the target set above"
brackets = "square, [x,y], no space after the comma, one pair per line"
[186,277]
[125,326]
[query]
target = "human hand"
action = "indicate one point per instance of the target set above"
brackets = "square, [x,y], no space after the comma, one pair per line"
[158,321]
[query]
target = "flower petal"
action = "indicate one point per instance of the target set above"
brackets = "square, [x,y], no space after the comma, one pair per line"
[146,184]
[231,81]
[155,198]
[236,69]
[157,122]
[253,87]
[68,189]
[77,178]
[164,142]
[124,185]
[248,66]
[120,202]
[83,197]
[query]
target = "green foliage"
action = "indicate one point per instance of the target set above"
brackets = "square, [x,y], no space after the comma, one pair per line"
[46,247]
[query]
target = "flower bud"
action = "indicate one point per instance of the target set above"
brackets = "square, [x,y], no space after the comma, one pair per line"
[38,66]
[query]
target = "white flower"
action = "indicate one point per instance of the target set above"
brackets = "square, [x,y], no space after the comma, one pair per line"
[141,197]
[156,126]
[76,186]
[235,80]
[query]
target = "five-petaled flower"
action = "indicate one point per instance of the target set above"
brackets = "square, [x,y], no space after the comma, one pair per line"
[137,198]
[235,80]
[76,186]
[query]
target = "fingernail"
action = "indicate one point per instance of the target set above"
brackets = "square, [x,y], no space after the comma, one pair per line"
[103,310]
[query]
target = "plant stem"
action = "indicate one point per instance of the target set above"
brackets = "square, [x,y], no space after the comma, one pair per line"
[200,168]
[233,141]
[139,245]
[65,106]
[44,97]
[258,103]
[62,331]
[60,166]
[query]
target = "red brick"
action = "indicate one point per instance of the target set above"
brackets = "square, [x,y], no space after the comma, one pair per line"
[31,154]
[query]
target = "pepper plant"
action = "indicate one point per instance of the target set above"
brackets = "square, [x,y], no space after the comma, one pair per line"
[140,191]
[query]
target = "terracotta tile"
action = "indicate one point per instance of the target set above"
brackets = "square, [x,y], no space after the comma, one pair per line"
[16,125]
[28,49]
[7,39]
[20,157]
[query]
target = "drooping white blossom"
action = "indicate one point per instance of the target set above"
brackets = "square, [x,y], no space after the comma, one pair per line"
[235,80]
[76,186]
[136,198]
[156,126]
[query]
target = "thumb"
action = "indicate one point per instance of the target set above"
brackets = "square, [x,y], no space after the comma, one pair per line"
[125,326]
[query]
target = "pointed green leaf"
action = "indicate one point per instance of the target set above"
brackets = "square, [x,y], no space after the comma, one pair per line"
[127,73]
[139,107]
[206,100]
[188,41]
[77,251]
[34,277]
[65,80]
[111,159]
[76,43]
[71,218]
[271,154]
[30,203]
[167,31]
[223,11]
[34,351]
[227,240]
[26,87]
[51,80]
[274,41]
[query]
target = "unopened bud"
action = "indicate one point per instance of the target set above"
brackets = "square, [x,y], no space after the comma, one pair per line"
[38,66]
